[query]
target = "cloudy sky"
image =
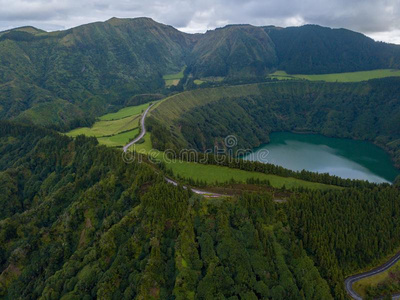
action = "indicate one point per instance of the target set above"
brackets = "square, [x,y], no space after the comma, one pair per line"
[379,19]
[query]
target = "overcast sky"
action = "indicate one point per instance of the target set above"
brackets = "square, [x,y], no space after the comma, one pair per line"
[379,19]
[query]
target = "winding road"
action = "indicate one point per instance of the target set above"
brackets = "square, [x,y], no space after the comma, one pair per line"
[143,129]
[353,279]
[173,182]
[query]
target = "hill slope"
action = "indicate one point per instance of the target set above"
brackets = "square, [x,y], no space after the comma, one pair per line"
[77,222]
[365,110]
[240,50]
[86,68]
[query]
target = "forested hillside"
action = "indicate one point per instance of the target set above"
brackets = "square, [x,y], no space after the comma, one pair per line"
[237,51]
[367,111]
[78,222]
[65,79]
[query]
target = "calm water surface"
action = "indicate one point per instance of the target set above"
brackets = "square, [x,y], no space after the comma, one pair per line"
[342,157]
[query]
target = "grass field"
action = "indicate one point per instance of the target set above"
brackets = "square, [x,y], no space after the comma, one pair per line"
[198,81]
[360,286]
[115,129]
[125,112]
[211,174]
[144,147]
[339,77]
[104,128]
[208,79]
[119,140]
[173,79]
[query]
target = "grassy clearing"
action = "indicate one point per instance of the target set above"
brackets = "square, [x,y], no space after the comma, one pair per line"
[339,77]
[119,140]
[104,128]
[173,79]
[170,82]
[208,79]
[125,112]
[211,174]
[145,147]
[198,81]
[361,285]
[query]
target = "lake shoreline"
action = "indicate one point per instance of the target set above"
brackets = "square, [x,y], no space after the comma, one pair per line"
[343,157]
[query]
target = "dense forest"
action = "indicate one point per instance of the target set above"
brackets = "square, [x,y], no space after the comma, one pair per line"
[346,230]
[78,222]
[366,111]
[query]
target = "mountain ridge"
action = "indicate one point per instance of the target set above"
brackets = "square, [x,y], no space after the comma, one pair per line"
[88,70]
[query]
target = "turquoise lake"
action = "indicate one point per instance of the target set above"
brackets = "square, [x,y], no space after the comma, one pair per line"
[341,157]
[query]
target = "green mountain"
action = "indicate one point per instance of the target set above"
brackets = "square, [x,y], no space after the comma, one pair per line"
[313,49]
[84,70]
[64,79]
[237,50]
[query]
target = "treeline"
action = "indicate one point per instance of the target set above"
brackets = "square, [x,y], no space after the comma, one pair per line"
[203,183]
[255,166]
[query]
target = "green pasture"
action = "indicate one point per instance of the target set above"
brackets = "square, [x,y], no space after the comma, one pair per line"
[125,112]
[119,140]
[173,79]
[339,77]
[105,128]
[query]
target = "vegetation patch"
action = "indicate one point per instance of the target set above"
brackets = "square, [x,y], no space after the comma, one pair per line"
[339,77]
[125,112]
[107,128]
[215,175]
[384,283]
[173,79]
[208,79]
[119,140]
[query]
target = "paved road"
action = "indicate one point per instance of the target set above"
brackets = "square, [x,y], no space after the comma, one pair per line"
[141,135]
[143,129]
[196,191]
[352,279]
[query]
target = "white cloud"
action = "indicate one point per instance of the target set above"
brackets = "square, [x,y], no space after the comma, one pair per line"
[376,18]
